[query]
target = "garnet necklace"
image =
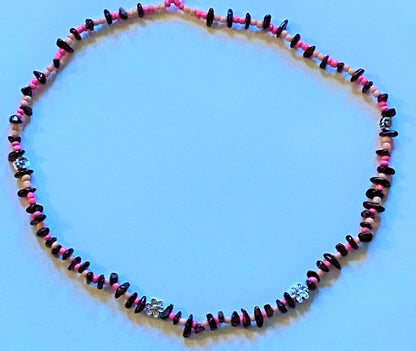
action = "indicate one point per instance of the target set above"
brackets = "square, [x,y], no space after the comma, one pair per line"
[152,307]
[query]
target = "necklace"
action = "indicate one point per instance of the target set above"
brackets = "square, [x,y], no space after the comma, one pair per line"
[154,307]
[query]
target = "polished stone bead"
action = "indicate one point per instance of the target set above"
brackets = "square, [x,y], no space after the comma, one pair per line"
[33,208]
[122,13]
[22,172]
[121,289]
[365,237]
[55,250]
[108,17]
[210,17]
[14,155]
[247,21]
[221,317]
[15,119]
[83,266]
[130,301]
[38,219]
[382,181]
[390,112]
[258,316]
[13,138]
[311,273]
[75,261]
[322,266]
[289,299]
[385,123]
[89,277]
[188,327]
[324,62]
[295,40]
[230,18]
[56,63]
[340,67]
[166,312]
[331,259]
[369,204]
[352,242]
[266,21]
[140,10]
[113,278]
[309,52]
[246,318]
[282,308]
[366,225]
[67,253]
[386,170]
[21,163]
[341,249]
[27,91]
[211,321]
[383,152]
[199,328]
[27,110]
[382,97]
[40,77]
[281,28]
[43,232]
[63,45]
[141,305]
[367,86]
[311,285]
[89,23]
[269,310]
[372,192]
[177,317]
[357,74]
[235,319]
[75,33]
[100,282]
[389,133]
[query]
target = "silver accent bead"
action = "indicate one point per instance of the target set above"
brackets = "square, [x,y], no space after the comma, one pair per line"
[21,163]
[154,307]
[385,123]
[299,292]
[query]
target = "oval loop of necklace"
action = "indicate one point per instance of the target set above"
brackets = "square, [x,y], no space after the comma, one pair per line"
[152,306]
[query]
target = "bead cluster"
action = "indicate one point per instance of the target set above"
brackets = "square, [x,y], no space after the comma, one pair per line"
[299,292]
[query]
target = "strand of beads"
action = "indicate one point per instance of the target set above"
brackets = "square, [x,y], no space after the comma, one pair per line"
[154,308]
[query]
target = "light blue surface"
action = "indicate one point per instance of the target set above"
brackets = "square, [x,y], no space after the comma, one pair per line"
[211,169]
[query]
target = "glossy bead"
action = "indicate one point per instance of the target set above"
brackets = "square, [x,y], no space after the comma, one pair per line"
[311,285]
[75,33]
[385,123]
[372,192]
[309,52]
[352,242]
[258,316]
[282,308]
[331,259]
[27,110]
[43,232]
[67,253]
[122,13]
[56,63]
[199,328]
[366,225]
[140,10]
[246,318]
[386,170]
[100,282]
[50,241]
[365,237]
[289,299]
[38,219]
[55,250]
[63,45]
[322,266]
[313,274]
[281,28]
[269,310]
[295,40]
[369,204]
[40,77]
[266,21]
[210,17]
[367,87]
[121,289]
[130,301]
[14,155]
[166,312]
[340,67]
[177,317]
[89,24]
[247,21]
[21,163]
[27,91]
[113,278]
[382,181]
[382,98]
[357,74]
[15,119]
[230,18]
[23,172]
[141,305]
[324,62]
[188,327]
[89,277]
[108,17]
[235,319]
[211,321]
[13,138]
[221,316]
[389,133]
[83,266]
[25,191]
[383,152]
[391,112]
[341,249]
[75,261]
[33,208]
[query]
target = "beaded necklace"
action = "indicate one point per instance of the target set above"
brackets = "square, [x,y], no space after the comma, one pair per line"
[154,307]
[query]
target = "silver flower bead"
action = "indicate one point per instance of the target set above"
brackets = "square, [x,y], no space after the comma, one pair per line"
[299,292]
[154,307]
[21,163]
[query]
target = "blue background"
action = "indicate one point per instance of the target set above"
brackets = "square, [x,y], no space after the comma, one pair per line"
[211,169]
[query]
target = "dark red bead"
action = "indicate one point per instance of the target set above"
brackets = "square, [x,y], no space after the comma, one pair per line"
[391,112]
[166,312]
[324,62]
[372,192]
[130,301]
[266,21]
[367,87]
[211,321]
[369,204]
[89,24]
[74,262]
[56,63]
[281,28]
[322,266]
[55,249]
[63,45]
[352,242]
[258,316]
[313,274]
[289,299]
[67,253]
[282,308]
[27,110]
[38,219]
[121,290]
[210,17]
[246,318]
[247,21]
[14,155]
[40,77]
[25,191]
[89,277]
[382,97]
[332,260]
[113,278]
[14,119]
[199,328]
[365,237]
[75,33]
[33,208]
[309,52]
[221,316]
[13,138]
[311,285]
[100,282]
[295,40]
[188,327]
[357,74]
[235,319]
[50,241]
[177,317]
[386,170]
[83,266]
[108,17]
[122,13]
[390,133]
[269,310]
[340,67]
[27,91]
[230,18]
[378,180]
[141,305]
[140,10]
[341,249]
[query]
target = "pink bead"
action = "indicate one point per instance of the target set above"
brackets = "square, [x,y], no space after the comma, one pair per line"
[35,81]
[313,279]
[16,147]
[19,114]
[242,20]
[364,229]
[62,250]
[383,108]
[264,314]
[19,110]
[198,13]
[304,46]
[80,29]
[299,43]
[95,278]
[364,81]
[171,316]
[30,195]
[373,210]
[115,15]
[46,237]
[386,158]
[284,302]
[137,300]
[32,201]
[236,19]
[14,143]
[177,3]
[181,6]
[33,86]
[379,187]
[35,214]
[167,3]
[204,15]
[348,247]
[382,103]
[217,320]
[77,266]
[333,63]
[115,286]
[274,30]
[194,324]
[382,162]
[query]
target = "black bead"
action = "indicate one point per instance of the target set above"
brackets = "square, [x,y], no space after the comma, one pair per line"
[38,219]
[386,170]
[130,301]
[382,97]
[43,232]
[235,319]
[100,282]
[122,13]
[383,152]
[199,328]
[63,45]
[166,312]
[281,28]
[367,87]
[67,253]
[369,204]
[367,213]
[258,316]
[50,241]
[175,319]
[357,74]
[230,18]
[27,110]
[322,266]
[27,91]
[221,316]
[313,274]
[332,260]
[75,33]
[324,62]
[309,51]
[340,67]
[269,310]
[84,266]
[23,172]
[378,180]
[389,133]
[89,277]
[248,21]
[188,327]
[13,138]
[282,308]
[56,63]
[55,250]
[89,23]
[352,242]
[14,155]
[266,21]
[121,289]
[210,17]
[366,225]
[15,119]
[108,17]
[33,208]
[371,193]
[40,77]
[365,237]
[140,10]
[246,318]
[113,278]
[211,321]
[289,299]
[391,112]
[295,40]
[75,261]
[311,285]
[341,249]
[141,305]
